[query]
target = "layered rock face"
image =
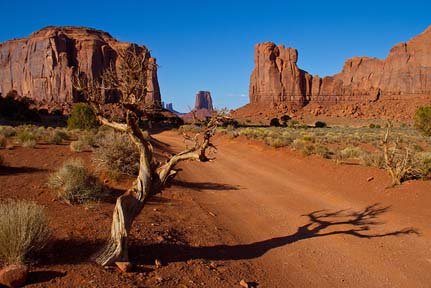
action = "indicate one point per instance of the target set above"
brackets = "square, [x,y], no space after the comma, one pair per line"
[41,66]
[406,72]
[276,77]
[203,101]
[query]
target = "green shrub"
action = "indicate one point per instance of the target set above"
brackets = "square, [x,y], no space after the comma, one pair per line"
[274,122]
[117,153]
[372,125]
[23,230]
[423,120]
[320,124]
[82,117]
[73,183]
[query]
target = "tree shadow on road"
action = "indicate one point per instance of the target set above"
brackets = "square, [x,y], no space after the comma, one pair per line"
[321,223]
[204,185]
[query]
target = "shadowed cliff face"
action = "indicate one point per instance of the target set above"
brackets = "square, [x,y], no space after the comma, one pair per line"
[405,72]
[41,66]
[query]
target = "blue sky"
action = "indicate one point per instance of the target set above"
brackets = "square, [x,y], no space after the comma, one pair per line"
[208,45]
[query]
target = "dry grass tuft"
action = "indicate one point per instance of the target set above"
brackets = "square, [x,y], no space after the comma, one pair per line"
[23,230]
[73,183]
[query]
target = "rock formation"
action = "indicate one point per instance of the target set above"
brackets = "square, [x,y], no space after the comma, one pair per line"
[406,72]
[204,101]
[41,66]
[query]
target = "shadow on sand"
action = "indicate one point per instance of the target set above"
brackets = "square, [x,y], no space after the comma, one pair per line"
[204,185]
[7,170]
[321,223]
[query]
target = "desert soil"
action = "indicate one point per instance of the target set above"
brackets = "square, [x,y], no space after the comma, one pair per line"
[268,216]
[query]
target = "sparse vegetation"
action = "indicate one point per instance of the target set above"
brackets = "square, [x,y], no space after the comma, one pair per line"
[423,120]
[82,117]
[23,230]
[73,183]
[344,144]
[117,154]
[320,124]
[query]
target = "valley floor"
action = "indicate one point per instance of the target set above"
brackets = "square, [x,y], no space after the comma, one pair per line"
[256,213]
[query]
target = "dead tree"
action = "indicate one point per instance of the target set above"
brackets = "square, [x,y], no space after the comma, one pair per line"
[129,79]
[397,161]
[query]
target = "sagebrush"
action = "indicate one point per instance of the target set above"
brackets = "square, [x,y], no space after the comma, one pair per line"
[24,230]
[73,183]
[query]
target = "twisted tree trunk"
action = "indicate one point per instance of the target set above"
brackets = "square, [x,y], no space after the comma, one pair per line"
[151,179]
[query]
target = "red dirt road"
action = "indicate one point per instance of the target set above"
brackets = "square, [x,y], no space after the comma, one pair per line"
[307,222]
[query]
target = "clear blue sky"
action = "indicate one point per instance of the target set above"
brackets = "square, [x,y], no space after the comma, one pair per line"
[208,45]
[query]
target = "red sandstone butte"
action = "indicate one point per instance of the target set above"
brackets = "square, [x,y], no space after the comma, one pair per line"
[41,66]
[406,72]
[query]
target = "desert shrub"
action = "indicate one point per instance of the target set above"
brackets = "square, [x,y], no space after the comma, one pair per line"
[77,146]
[29,144]
[373,159]
[423,120]
[23,230]
[3,141]
[54,136]
[422,164]
[322,151]
[274,122]
[351,153]
[26,135]
[372,125]
[7,131]
[73,183]
[284,119]
[277,142]
[82,117]
[117,153]
[320,124]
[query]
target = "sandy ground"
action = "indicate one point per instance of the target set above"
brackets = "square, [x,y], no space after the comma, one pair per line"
[307,222]
[265,215]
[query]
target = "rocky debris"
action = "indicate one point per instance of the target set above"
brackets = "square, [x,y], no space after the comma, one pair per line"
[14,275]
[41,66]
[246,284]
[204,101]
[124,266]
[157,263]
[404,74]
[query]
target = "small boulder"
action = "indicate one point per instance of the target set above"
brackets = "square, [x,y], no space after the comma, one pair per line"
[14,275]
[124,266]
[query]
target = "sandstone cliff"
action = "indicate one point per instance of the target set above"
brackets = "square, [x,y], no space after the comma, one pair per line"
[406,72]
[41,66]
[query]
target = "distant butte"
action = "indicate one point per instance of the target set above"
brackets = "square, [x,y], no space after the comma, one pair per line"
[203,107]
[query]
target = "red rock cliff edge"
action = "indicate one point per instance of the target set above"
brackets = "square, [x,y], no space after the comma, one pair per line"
[41,66]
[406,72]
